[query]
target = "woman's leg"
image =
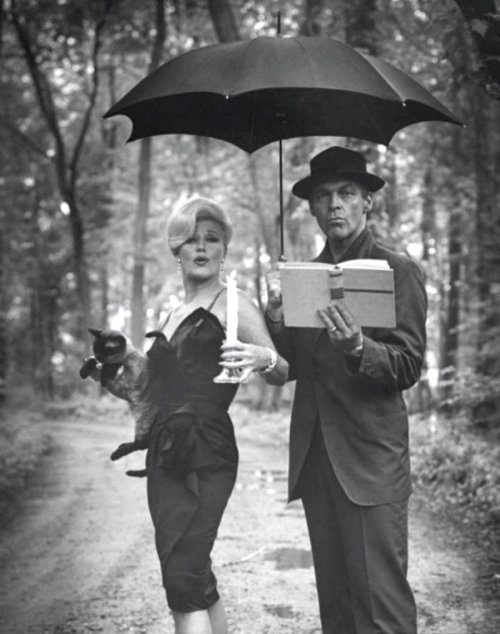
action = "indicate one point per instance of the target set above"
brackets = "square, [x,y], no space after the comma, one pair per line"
[192,622]
[211,621]
[218,618]
[188,576]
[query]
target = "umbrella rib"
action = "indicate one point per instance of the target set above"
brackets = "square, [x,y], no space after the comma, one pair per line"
[431,102]
[306,56]
[385,78]
[237,75]
[202,63]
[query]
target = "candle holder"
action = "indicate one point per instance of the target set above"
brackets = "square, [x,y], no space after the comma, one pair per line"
[233,375]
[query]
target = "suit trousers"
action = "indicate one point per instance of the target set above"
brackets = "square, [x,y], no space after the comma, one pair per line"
[360,554]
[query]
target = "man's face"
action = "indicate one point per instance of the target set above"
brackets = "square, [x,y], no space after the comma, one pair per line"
[340,208]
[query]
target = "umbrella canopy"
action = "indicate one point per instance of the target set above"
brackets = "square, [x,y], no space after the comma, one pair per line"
[253,92]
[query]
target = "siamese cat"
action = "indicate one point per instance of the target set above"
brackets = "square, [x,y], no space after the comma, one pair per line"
[122,370]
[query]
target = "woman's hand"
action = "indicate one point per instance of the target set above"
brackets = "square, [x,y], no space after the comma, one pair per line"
[246,357]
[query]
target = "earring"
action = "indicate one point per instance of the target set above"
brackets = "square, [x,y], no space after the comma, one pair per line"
[178,265]
[221,265]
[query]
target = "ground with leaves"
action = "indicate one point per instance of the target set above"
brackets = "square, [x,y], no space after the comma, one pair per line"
[78,555]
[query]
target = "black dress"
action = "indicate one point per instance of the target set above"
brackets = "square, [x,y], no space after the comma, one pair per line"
[192,457]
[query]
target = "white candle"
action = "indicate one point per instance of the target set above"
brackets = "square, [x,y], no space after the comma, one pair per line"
[232,309]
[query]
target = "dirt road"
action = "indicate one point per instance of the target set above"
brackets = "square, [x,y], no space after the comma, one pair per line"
[79,557]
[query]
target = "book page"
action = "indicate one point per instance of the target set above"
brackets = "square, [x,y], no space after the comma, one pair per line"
[366,263]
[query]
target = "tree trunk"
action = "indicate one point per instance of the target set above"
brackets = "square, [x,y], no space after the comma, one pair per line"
[3,319]
[140,239]
[66,167]
[483,18]
[428,222]
[391,190]
[486,159]
[488,261]
[80,263]
[452,296]
[318,18]
[44,292]
[452,318]
[360,25]
[223,20]
[143,208]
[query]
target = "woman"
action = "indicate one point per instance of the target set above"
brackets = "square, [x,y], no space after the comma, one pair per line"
[192,455]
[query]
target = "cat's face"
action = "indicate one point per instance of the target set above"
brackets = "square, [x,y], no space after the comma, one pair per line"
[109,346]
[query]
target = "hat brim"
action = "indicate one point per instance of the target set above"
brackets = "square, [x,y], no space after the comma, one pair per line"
[302,188]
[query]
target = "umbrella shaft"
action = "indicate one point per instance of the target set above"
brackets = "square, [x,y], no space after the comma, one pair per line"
[282,240]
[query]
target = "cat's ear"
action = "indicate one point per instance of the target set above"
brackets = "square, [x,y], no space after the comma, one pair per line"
[95,332]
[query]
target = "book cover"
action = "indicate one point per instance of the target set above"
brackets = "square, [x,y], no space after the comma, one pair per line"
[366,286]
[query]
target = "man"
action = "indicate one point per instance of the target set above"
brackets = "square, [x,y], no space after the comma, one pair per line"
[349,458]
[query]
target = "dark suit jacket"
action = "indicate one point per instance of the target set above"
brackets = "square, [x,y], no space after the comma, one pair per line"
[359,402]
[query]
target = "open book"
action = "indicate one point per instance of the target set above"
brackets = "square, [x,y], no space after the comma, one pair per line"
[365,285]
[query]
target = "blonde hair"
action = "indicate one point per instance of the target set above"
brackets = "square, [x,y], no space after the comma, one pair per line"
[182,221]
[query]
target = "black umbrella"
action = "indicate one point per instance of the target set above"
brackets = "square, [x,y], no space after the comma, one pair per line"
[253,92]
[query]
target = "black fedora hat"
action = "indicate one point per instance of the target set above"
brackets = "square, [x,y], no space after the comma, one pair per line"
[337,162]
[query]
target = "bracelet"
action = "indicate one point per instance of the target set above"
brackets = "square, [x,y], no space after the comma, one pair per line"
[273,360]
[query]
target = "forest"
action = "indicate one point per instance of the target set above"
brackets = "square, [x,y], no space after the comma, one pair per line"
[83,212]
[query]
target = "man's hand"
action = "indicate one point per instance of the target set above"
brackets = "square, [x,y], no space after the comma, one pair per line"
[274,305]
[342,329]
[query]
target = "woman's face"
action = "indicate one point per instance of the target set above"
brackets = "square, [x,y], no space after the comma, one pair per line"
[201,255]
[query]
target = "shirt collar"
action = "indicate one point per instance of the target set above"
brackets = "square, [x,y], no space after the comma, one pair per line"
[360,248]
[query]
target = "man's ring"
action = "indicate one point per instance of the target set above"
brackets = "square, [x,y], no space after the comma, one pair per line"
[332,329]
